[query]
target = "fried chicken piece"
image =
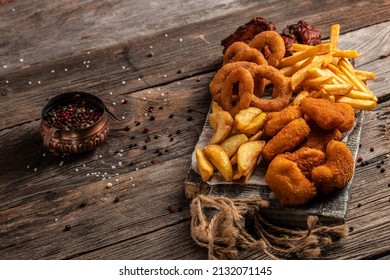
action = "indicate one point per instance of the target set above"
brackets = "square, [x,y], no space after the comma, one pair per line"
[289,184]
[337,170]
[328,115]
[306,159]
[319,138]
[289,137]
[280,119]
[245,33]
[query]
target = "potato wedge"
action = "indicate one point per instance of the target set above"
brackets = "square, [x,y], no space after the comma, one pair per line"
[245,117]
[255,125]
[218,157]
[231,145]
[247,156]
[206,169]
[223,126]
[215,107]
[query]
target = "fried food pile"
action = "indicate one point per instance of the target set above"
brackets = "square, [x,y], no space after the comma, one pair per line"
[300,139]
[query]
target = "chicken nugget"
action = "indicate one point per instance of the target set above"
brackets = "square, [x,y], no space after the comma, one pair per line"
[306,159]
[281,118]
[319,138]
[337,170]
[289,137]
[328,115]
[289,184]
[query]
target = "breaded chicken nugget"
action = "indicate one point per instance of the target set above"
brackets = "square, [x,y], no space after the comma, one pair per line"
[281,118]
[306,159]
[328,115]
[337,170]
[287,181]
[319,138]
[289,137]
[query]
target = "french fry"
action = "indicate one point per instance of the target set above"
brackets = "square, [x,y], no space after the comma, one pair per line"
[356,94]
[223,126]
[350,73]
[218,157]
[346,53]
[231,145]
[317,82]
[365,75]
[290,70]
[319,49]
[300,47]
[334,36]
[358,103]
[337,89]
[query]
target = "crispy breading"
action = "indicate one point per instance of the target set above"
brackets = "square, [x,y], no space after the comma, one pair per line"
[306,159]
[319,138]
[289,137]
[328,115]
[337,170]
[280,119]
[289,184]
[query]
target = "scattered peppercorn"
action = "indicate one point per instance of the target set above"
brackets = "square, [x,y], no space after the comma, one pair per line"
[189,110]
[383,170]
[378,165]
[131,163]
[160,108]
[359,205]
[82,204]
[152,118]
[382,161]
[147,140]
[178,131]
[155,136]
[198,79]
[360,145]
[73,116]
[125,101]
[116,199]
[137,123]
[159,154]
[171,209]
[150,54]
[152,161]
[189,118]
[171,139]
[170,116]
[132,137]
[371,149]
[179,71]
[146,130]
[359,159]
[144,147]
[67,228]
[351,229]
[150,109]
[127,128]
[156,151]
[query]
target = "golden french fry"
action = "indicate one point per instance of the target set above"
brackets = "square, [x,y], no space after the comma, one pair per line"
[245,117]
[218,157]
[346,53]
[206,169]
[231,145]
[247,155]
[299,97]
[361,95]
[255,125]
[365,75]
[317,82]
[350,73]
[337,89]
[334,36]
[290,70]
[357,103]
[300,47]
[319,49]
[223,127]
[303,73]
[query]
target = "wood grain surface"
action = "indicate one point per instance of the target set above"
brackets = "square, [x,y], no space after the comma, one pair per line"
[160,55]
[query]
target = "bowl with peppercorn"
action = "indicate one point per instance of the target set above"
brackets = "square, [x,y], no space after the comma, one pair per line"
[73,122]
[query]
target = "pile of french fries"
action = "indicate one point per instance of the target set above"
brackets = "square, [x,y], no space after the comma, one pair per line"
[234,148]
[324,71]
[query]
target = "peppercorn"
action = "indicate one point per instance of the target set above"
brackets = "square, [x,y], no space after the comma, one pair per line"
[152,118]
[67,228]
[144,147]
[178,131]
[359,159]
[371,149]
[116,199]
[171,209]
[189,118]
[383,170]
[170,116]
[378,165]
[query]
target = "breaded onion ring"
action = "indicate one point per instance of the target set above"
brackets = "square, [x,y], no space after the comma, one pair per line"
[221,75]
[281,94]
[245,90]
[274,41]
[240,51]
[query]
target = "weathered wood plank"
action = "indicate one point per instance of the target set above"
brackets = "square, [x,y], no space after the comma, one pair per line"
[199,52]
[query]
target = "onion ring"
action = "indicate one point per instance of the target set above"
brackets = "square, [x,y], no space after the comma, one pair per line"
[245,90]
[240,51]
[221,75]
[274,41]
[281,94]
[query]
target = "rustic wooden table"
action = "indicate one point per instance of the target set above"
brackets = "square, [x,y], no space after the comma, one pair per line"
[160,55]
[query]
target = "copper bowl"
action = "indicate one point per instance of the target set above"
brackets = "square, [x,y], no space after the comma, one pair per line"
[74,141]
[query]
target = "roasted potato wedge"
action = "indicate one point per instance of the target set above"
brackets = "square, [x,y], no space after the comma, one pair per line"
[247,155]
[218,157]
[206,169]
[223,126]
[245,117]
[255,125]
[232,144]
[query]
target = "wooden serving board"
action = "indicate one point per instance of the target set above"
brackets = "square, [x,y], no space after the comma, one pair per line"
[331,209]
